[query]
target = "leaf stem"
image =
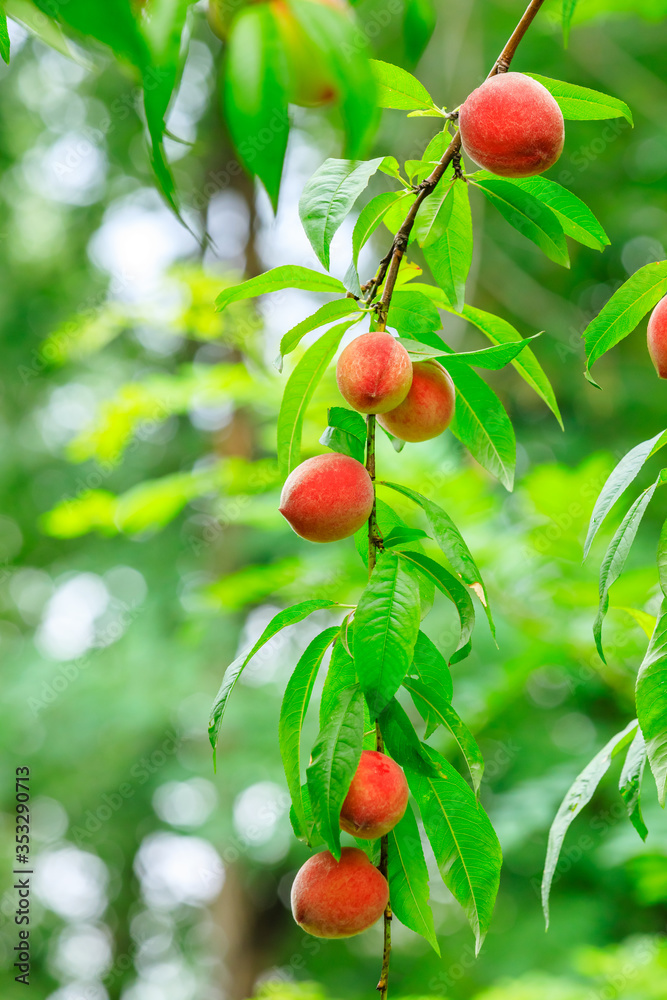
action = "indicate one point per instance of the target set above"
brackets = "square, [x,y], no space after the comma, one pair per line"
[427,186]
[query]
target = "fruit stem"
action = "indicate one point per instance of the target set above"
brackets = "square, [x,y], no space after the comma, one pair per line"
[427,186]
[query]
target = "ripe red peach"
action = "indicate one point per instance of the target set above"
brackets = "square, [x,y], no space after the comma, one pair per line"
[428,408]
[657,337]
[512,126]
[377,797]
[327,498]
[374,373]
[337,899]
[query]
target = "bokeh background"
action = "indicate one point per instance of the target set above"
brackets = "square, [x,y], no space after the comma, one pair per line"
[140,544]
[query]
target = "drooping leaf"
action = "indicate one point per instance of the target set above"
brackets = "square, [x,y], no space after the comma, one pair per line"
[624,310]
[630,782]
[412,312]
[307,831]
[532,218]
[579,794]
[328,313]
[289,616]
[293,712]
[582,104]
[340,675]
[112,24]
[386,624]
[346,432]
[430,667]
[370,218]
[451,588]
[568,13]
[617,553]
[625,473]
[4,36]
[419,22]
[399,89]
[328,198]
[408,879]
[299,391]
[286,276]
[434,707]
[334,760]
[651,698]
[450,255]
[482,425]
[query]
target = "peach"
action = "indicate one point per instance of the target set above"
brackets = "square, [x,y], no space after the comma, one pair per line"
[374,373]
[377,797]
[512,126]
[327,498]
[657,337]
[428,408]
[312,82]
[337,899]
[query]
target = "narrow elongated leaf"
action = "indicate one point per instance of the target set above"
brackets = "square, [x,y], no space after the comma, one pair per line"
[335,759]
[491,358]
[450,255]
[289,616]
[286,276]
[464,842]
[419,22]
[307,832]
[432,706]
[293,712]
[340,675]
[403,536]
[482,425]
[299,391]
[450,540]
[433,215]
[651,698]
[579,794]
[568,13]
[112,23]
[430,667]
[574,216]
[452,589]
[255,94]
[412,312]
[328,313]
[581,103]
[617,554]
[370,218]
[624,310]
[408,879]
[328,197]
[630,783]
[625,473]
[399,89]
[386,624]
[533,219]
[4,36]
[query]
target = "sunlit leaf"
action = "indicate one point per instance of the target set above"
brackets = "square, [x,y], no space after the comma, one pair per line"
[286,276]
[327,313]
[399,89]
[532,218]
[582,104]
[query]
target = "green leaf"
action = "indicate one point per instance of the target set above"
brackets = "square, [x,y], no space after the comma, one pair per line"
[568,12]
[112,23]
[289,616]
[481,423]
[630,783]
[434,215]
[408,879]
[450,255]
[327,313]
[412,312]
[430,667]
[328,198]
[451,588]
[651,697]
[533,219]
[582,104]
[307,832]
[450,540]
[345,433]
[625,473]
[293,712]
[370,218]
[434,708]
[419,22]
[579,794]
[464,842]
[403,536]
[574,216]
[391,167]
[386,624]
[48,31]
[399,89]
[617,554]
[340,675]
[286,276]
[4,36]
[335,759]
[299,391]
[624,310]
[491,358]
[255,94]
